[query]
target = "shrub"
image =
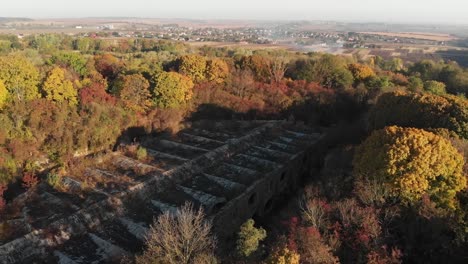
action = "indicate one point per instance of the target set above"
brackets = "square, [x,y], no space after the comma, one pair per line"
[435,87]
[384,256]
[29,180]
[54,180]
[283,255]
[249,238]
[141,153]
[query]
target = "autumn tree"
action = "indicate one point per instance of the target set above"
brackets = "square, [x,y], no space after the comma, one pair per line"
[134,92]
[249,238]
[312,247]
[29,180]
[172,90]
[193,66]
[217,70]
[20,77]
[361,72]
[57,88]
[283,255]
[3,188]
[421,111]
[108,65]
[241,83]
[258,65]
[94,91]
[412,163]
[180,238]
[3,94]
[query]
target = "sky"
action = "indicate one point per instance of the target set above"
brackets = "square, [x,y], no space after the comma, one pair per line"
[392,11]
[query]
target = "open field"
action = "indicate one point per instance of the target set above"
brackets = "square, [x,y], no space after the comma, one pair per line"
[244,45]
[415,35]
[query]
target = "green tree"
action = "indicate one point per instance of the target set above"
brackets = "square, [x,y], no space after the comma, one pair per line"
[377,82]
[426,70]
[172,90]
[412,163]
[83,44]
[328,70]
[415,84]
[20,77]
[193,66]
[57,88]
[249,238]
[72,60]
[435,87]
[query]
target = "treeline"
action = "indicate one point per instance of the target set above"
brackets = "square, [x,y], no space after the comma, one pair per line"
[85,90]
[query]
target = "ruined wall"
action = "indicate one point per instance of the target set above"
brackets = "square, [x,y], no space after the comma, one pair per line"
[234,173]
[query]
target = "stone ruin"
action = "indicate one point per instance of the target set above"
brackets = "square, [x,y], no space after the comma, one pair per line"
[233,170]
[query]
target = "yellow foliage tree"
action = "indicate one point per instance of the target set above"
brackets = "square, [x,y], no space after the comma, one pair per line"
[412,163]
[57,88]
[20,77]
[3,94]
[172,90]
[217,70]
[361,72]
[283,256]
[421,111]
[193,66]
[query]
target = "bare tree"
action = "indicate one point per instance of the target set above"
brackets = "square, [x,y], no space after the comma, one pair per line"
[277,68]
[182,237]
[241,82]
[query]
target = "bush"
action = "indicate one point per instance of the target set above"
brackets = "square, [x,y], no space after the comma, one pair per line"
[283,255]
[54,180]
[249,238]
[141,153]
[29,180]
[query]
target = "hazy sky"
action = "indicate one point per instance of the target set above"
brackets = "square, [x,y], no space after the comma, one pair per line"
[425,11]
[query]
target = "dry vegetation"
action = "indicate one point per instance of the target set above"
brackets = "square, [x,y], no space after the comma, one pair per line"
[415,35]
